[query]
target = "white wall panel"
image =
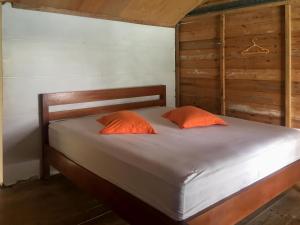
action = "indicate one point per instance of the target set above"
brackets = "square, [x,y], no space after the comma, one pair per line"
[46,52]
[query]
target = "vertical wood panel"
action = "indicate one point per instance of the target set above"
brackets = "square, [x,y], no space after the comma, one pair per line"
[1,101]
[222,64]
[199,58]
[249,86]
[288,66]
[253,98]
[263,88]
[177,60]
[295,24]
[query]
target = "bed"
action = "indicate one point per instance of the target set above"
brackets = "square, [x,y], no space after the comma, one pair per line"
[195,176]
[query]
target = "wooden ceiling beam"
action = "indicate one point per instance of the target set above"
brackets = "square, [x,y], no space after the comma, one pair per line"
[223,5]
[166,13]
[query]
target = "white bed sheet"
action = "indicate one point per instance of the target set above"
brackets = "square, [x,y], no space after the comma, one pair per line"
[179,172]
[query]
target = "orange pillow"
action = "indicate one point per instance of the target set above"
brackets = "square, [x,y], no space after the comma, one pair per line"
[125,122]
[190,116]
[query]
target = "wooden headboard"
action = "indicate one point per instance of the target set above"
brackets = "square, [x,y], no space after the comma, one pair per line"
[65,98]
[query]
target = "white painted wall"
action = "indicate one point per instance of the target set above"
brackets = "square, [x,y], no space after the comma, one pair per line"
[46,52]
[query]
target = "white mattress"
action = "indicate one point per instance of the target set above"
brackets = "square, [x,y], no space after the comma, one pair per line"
[179,172]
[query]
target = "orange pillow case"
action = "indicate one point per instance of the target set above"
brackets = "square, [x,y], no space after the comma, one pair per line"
[125,122]
[190,116]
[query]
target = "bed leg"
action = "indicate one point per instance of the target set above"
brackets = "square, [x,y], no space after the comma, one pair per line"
[44,123]
[45,173]
[45,166]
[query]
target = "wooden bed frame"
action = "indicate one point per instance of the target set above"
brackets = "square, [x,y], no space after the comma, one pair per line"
[226,212]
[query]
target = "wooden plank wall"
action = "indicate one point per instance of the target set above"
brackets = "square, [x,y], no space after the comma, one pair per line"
[255,85]
[199,63]
[1,101]
[296,63]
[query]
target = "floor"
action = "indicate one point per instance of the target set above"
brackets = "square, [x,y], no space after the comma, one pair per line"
[59,202]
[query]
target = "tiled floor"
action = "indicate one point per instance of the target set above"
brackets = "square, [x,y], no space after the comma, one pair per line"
[59,202]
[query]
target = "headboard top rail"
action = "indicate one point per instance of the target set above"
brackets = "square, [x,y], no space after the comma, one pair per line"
[64,98]
[73,97]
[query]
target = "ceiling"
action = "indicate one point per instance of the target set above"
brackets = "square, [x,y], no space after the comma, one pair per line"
[212,2]
[153,12]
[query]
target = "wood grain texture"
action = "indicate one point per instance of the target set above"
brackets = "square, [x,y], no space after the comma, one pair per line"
[177,66]
[288,66]
[44,123]
[58,115]
[223,63]
[254,84]
[107,94]
[1,101]
[188,19]
[200,63]
[157,12]
[230,5]
[295,66]
[273,79]
[267,23]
